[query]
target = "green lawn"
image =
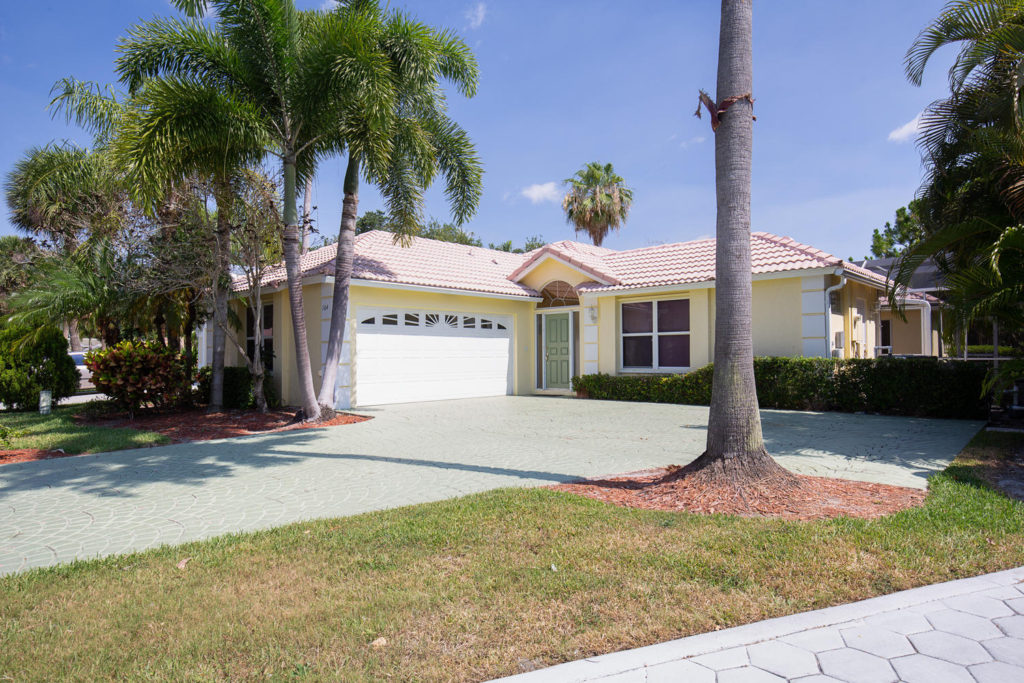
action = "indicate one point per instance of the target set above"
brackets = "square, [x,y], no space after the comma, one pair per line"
[60,430]
[470,589]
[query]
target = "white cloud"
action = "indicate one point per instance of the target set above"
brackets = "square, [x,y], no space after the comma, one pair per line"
[475,15]
[908,131]
[542,192]
[696,140]
[328,5]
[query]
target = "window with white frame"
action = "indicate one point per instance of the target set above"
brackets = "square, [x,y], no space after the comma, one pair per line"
[655,335]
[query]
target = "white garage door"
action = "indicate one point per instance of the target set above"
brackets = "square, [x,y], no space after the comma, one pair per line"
[409,355]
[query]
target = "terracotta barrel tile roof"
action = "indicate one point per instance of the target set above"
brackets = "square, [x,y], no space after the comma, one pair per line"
[424,262]
[455,266]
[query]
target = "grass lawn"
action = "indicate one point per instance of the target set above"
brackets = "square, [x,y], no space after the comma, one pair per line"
[60,430]
[469,589]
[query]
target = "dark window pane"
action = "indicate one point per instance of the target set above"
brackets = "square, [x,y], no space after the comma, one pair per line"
[674,315]
[250,323]
[268,320]
[637,352]
[674,351]
[268,354]
[637,317]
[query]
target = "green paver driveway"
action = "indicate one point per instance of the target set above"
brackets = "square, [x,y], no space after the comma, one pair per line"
[55,511]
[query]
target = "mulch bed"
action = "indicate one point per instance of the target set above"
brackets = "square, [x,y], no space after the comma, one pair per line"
[191,425]
[814,497]
[198,425]
[28,455]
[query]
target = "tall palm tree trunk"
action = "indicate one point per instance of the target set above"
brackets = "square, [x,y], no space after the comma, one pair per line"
[735,450]
[342,278]
[221,292]
[292,244]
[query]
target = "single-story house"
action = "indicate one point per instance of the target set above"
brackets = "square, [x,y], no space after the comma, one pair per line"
[436,320]
[921,332]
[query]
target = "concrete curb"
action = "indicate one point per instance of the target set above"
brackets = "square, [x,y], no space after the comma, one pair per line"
[616,663]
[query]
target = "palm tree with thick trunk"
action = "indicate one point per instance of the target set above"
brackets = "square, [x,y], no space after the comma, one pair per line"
[735,454]
[402,158]
[597,202]
[287,77]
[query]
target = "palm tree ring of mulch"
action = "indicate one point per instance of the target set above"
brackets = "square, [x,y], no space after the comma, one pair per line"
[789,496]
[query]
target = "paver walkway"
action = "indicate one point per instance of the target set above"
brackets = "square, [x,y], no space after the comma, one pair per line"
[58,510]
[970,630]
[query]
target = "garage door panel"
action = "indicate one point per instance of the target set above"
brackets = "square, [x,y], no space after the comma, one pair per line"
[398,364]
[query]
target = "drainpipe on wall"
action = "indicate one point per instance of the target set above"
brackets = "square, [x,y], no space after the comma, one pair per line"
[828,310]
[926,330]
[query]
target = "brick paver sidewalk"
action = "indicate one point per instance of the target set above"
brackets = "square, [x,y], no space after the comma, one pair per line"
[970,630]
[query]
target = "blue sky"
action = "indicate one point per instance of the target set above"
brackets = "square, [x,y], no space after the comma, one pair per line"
[565,83]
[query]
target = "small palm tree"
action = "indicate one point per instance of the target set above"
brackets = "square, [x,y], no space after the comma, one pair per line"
[598,201]
[279,76]
[421,141]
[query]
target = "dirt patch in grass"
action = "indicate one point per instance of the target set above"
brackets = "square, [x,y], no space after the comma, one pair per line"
[198,425]
[1000,462]
[818,498]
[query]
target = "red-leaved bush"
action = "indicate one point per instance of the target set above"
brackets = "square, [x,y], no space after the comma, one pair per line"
[138,373]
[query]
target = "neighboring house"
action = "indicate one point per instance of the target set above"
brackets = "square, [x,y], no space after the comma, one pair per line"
[921,332]
[436,320]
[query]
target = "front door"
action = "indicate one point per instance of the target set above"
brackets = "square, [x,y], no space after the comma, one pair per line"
[557,351]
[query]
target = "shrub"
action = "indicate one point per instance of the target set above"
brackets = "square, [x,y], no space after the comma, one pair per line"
[31,361]
[237,388]
[986,350]
[922,387]
[137,373]
[6,436]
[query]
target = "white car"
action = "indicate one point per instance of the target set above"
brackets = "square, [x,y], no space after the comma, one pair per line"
[86,374]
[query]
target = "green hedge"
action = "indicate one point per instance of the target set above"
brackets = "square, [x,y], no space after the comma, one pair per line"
[923,387]
[32,360]
[986,350]
[237,388]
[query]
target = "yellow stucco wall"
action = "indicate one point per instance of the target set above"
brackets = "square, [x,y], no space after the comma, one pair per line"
[777,322]
[905,336]
[860,337]
[549,270]
[776,317]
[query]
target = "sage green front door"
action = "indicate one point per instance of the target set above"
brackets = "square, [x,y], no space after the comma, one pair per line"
[557,351]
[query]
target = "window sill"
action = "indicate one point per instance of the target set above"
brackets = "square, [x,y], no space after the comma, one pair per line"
[654,371]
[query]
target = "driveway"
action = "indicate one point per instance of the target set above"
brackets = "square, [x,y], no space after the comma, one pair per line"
[55,511]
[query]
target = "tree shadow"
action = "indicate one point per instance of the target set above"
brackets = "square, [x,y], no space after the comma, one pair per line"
[919,446]
[123,473]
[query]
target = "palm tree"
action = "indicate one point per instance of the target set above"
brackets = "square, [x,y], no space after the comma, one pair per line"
[283,79]
[972,143]
[61,194]
[735,454]
[420,141]
[91,284]
[597,202]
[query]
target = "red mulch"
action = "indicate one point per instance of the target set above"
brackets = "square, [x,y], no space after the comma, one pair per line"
[198,425]
[28,454]
[192,425]
[813,498]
